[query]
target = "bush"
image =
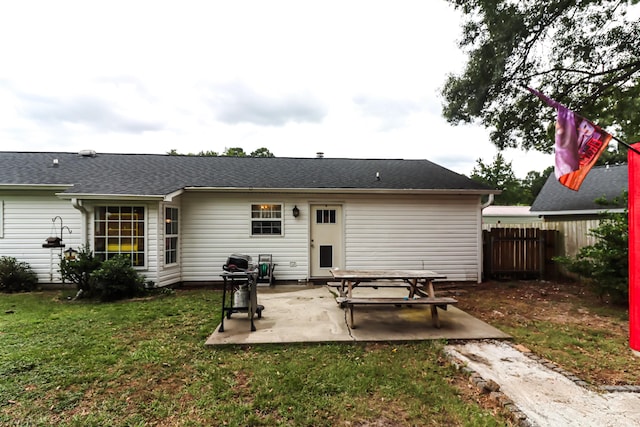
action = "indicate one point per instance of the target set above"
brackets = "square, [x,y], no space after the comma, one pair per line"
[605,264]
[116,279]
[78,271]
[16,276]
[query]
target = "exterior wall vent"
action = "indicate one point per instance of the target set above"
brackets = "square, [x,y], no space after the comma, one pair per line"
[319,155]
[87,153]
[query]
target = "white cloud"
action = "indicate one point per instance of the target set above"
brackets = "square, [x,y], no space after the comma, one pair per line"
[235,103]
[351,79]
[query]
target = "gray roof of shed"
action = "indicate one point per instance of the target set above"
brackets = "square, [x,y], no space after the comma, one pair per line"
[602,182]
[159,175]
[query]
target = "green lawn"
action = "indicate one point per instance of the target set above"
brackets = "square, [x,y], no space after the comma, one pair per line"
[144,362]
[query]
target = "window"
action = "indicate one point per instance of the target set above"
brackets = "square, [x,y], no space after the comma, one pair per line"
[120,230]
[170,236]
[326,216]
[266,220]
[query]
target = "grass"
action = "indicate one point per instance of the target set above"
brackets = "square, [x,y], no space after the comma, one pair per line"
[580,349]
[143,363]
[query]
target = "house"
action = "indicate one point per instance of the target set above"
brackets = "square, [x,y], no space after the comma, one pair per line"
[507,216]
[180,217]
[574,213]
[556,202]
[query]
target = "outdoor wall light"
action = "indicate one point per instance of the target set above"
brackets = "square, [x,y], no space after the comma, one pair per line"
[296,211]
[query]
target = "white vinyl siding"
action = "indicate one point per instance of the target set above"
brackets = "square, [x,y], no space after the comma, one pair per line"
[28,222]
[434,233]
[440,233]
[215,225]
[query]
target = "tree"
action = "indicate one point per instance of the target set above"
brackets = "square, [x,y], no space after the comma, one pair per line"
[533,183]
[612,157]
[583,54]
[228,152]
[234,152]
[207,153]
[262,152]
[499,174]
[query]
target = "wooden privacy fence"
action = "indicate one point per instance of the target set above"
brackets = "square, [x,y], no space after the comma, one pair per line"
[519,253]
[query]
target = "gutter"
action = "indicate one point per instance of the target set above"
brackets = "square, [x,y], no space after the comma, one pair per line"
[396,191]
[110,197]
[24,187]
[577,212]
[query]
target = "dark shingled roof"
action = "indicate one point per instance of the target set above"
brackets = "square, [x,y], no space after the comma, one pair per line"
[158,175]
[602,181]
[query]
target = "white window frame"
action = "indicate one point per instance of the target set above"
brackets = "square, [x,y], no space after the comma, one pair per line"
[263,209]
[175,236]
[106,252]
[1,218]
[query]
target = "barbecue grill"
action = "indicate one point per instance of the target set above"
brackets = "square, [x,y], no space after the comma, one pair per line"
[239,291]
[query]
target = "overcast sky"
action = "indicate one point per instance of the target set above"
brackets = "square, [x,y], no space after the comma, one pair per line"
[354,79]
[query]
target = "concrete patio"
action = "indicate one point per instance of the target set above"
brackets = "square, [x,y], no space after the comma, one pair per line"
[295,314]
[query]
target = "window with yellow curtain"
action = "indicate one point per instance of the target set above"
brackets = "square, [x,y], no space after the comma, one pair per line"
[120,230]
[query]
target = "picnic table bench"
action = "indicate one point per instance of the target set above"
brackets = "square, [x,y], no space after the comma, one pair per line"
[435,303]
[414,280]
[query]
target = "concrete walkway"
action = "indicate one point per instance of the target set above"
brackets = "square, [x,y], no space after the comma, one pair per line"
[546,397]
[311,314]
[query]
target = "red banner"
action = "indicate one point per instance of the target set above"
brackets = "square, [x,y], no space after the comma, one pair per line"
[634,248]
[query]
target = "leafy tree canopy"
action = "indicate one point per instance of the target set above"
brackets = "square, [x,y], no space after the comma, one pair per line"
[612,157]
[583,54]
[208,153]
[234,152]
[500,175]
[533,183]
[262,152]
[229,152]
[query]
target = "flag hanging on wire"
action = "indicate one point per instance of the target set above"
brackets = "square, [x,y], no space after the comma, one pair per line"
[578,144]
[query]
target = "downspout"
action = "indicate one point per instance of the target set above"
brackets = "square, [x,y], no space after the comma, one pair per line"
[487,203]
[77,204]
[480,243]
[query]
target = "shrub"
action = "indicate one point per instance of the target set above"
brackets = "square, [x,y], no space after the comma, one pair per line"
[16,276]
[605,264]
[78,271]
[116,279]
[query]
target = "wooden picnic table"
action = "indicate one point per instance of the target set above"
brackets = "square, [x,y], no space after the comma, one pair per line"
[413,279]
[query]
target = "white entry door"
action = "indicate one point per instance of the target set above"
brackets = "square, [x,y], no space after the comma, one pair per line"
[326,239]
